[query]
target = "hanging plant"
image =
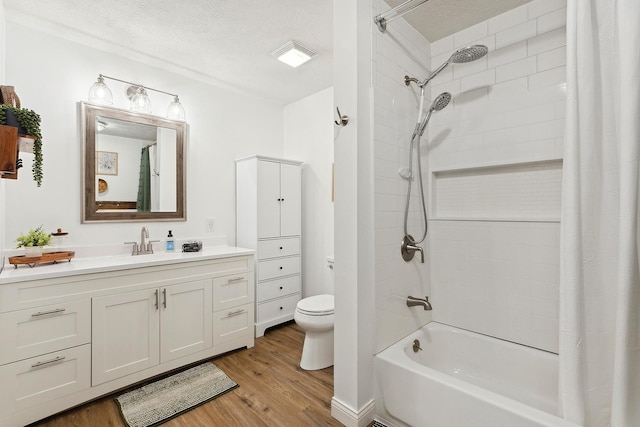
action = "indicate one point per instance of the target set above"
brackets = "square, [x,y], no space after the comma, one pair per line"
[28,122]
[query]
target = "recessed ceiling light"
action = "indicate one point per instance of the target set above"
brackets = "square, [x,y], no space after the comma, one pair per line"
[293,54]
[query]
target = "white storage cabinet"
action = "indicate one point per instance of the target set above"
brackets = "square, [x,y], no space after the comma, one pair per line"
[269,220]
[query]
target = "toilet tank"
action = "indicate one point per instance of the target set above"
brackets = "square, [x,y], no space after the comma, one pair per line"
[329,283]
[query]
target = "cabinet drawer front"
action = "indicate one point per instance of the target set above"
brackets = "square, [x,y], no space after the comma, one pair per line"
[31,382]
[278,247]
[278,268]
[278,288]
[277,308]
[27,333]
[230,324]
[231,291]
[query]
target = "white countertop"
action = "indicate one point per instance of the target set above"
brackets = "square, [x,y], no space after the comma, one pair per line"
[85,265]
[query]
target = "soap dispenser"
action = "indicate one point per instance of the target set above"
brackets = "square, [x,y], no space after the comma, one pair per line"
[170,242]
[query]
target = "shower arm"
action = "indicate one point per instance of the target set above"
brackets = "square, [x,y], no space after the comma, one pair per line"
[435,73]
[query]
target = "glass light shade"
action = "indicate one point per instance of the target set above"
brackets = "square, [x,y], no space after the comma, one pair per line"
[100,93]
[176,110]
[140,102]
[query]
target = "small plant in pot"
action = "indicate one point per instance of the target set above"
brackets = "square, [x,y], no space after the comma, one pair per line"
[28,123]
[34,241]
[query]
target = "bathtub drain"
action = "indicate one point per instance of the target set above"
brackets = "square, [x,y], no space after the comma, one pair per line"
[416,346]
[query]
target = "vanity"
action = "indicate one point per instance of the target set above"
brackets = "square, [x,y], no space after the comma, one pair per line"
[75,331]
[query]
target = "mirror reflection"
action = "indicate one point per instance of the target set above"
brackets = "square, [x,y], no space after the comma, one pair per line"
[133,166]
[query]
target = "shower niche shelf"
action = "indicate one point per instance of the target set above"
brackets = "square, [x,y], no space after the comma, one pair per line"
[526,191]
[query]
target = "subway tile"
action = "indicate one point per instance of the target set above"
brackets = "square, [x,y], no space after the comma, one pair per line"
[541,7]
[514,70]
[442,46]
[551,21]
[470,35]
[507,54]
[477,80]
[547,130]
[507,20]
[554,76]
[466,69]
[516,34]
[552,59]
[547,41]
[386,48]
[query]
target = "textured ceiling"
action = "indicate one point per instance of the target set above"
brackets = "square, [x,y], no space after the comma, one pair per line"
[436,19]
[228,42]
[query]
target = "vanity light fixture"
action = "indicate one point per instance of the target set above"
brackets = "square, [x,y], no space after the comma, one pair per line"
[293,54]
[137,94]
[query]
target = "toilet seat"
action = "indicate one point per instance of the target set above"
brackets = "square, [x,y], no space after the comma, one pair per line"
[318,305]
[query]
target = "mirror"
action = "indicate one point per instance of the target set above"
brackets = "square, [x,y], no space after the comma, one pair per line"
[133,166]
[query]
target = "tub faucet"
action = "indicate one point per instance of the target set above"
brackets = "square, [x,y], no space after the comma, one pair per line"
[408,248]
[413,301]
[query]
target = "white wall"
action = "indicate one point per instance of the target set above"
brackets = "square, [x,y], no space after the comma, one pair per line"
[398,52]
[2,181]
[308,136]
[52,74]
[495,230]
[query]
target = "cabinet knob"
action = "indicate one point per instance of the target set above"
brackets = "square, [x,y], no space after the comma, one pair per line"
[280,268]
[280,247]
[280,308]
[280,287]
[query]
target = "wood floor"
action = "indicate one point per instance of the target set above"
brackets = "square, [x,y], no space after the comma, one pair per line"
[273,391]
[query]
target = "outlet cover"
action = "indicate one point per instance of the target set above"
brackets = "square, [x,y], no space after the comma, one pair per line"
[211,225]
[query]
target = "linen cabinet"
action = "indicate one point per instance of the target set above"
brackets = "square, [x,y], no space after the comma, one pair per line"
[269,220]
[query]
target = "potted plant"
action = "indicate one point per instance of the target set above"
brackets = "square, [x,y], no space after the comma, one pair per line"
[28,123]
[34,241]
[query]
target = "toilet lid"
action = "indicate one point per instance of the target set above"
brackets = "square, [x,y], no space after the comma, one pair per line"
[319,304]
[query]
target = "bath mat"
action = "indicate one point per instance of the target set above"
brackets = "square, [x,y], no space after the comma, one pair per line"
[169,397]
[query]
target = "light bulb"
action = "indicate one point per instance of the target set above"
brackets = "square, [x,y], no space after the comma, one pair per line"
[176,110]
[100,92]
[140,101]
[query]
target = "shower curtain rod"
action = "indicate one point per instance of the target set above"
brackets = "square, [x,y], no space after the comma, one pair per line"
[384,18]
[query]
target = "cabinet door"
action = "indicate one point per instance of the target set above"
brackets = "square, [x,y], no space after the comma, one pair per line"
[186,320]
[268,199]
[291,204]
[126,334]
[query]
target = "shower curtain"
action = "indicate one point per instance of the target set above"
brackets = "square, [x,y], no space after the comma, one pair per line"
[143,203]
[599,273]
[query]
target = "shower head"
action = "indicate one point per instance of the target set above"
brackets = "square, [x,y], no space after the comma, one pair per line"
[466,54]
[441,101]
[438,104]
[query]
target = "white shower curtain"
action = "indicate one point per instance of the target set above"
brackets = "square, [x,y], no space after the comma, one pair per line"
[599,275]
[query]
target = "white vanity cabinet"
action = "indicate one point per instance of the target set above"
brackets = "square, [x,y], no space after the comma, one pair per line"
[70,339]
[269,220]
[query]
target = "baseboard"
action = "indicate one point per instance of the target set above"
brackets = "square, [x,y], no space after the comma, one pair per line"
[351,418]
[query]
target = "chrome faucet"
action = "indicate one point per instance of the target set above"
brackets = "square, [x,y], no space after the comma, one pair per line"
[144,247]
[144,233]
[413,301]
[409,248]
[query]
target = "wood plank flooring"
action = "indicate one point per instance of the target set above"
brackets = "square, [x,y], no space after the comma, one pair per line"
[273,391]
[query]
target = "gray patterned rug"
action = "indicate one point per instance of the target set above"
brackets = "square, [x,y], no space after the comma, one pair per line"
[169,397]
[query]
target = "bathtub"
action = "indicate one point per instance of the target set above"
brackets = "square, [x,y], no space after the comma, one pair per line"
[464,379]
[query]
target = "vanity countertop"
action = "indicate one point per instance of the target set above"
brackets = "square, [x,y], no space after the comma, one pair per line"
[85,265]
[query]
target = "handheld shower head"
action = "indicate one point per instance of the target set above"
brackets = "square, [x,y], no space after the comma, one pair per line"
[441,101]
[438,104]
[466,54]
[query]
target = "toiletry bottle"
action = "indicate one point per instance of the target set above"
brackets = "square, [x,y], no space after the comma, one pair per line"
[170,242]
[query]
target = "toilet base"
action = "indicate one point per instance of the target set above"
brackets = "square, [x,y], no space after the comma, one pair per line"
[317,352]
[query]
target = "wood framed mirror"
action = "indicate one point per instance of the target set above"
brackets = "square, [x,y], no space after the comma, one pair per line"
[133,166]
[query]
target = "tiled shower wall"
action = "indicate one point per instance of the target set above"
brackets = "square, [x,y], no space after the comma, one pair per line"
[398,52]
[495,176]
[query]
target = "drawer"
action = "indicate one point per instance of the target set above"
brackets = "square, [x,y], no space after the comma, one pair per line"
[278,247]
[278,288]
[27,333]
[230,324]
[277,308]
[231,291]
[278,267]
[34,381]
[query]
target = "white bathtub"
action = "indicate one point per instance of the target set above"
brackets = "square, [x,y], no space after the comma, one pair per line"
[464,379]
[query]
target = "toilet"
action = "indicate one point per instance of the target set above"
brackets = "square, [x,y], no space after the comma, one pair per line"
[316,316]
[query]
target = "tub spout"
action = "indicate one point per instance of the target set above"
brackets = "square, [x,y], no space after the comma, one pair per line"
[413,301]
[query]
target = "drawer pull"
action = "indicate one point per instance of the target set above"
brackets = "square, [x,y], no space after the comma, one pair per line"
[45,313]
[235,279]
[47,362]
[164,297]
[156,293]
[235,313]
